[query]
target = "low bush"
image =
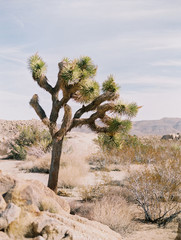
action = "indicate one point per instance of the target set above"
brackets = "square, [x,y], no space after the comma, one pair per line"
[157,191]
[36,165]
[108,208]
[17,151]
[72,172]
[92,192]
[96,191]
[29,136]
[135,150]
[114,212]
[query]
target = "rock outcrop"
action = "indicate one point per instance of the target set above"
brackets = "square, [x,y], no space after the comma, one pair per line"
[29,210]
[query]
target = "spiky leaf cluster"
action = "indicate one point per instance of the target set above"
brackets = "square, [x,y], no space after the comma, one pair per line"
[117,125]
[109,85]
[88,91]
[87,67]
[78,70]
[109,142]
[37,66]
[130,109]
[71,73]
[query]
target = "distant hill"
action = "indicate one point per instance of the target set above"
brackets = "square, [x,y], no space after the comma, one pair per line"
[149,127]
[156,127]
[9,129]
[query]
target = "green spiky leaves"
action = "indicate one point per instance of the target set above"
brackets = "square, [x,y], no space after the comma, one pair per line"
[71,73]
[130,109]
[78,70]
[88,91]
[37,66]
[109,85]
[107,142]
[113,139]
[87,67]
[117,125]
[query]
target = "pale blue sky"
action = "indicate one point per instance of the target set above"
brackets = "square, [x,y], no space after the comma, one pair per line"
[138,41]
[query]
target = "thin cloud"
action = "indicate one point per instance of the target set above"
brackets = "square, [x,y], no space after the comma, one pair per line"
[168,63]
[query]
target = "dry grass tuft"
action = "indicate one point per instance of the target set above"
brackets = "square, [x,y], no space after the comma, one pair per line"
[72,171]
[36,165]
[114,212]
[46,205]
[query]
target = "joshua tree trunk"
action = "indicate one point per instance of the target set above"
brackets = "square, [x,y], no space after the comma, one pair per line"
[76,82]
[55,164]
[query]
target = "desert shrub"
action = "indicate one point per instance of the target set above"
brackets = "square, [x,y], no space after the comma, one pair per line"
[110,209]
[124,149]
[71,175]
[96,191]
[108,142]
[114,212]
[17,152]
[36,165]
[135,150]
[92,192]
[46,205]
[29,136]
[3,147]
[157,191]
[73,169]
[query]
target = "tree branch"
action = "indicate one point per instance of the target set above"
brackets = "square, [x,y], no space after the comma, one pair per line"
[34,102]
[101,110]
[59,84]
[65,122]
[108,96]
[43,83]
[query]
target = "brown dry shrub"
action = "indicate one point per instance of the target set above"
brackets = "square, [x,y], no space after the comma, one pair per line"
[97,190]
[157,191]
[72,171]
[114,212]
[137,150]
[110,209]
[36,165]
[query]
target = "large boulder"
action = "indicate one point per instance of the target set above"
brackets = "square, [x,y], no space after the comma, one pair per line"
[35,212]
[55,227]
[33,192]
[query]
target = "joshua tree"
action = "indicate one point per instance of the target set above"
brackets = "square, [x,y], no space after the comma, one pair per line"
[76,81]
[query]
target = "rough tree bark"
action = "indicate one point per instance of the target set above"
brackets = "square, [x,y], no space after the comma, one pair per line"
[55,164]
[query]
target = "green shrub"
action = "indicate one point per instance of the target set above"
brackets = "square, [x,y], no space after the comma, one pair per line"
[108,142]
[17,152]
[29,136]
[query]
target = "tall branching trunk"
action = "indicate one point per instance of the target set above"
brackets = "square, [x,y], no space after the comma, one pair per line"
[76,82]
[55,164]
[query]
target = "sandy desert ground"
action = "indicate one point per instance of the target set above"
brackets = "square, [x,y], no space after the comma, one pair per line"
[82,146]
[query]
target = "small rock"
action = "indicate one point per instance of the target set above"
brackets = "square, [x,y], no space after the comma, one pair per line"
[11,213]
[39,238]
[2,204]
[6,183]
